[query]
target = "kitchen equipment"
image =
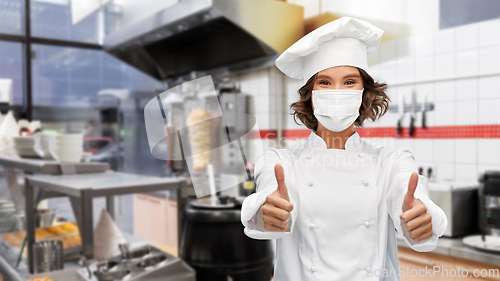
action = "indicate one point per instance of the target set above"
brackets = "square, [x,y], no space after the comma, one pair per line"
[459,203]
[42,144]
[214,243]
[203,128]
[490,243]
[489,202]
[44,217]
[166,41]
[48,256]
[25,146]
[413,114]
[144,263]
[423,109]
[124,251]
[401,108]
[67,148]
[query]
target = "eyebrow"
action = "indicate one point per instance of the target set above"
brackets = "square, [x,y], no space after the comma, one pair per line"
[352,75]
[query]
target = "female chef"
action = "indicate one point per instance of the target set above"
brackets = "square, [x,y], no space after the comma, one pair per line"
[334,203]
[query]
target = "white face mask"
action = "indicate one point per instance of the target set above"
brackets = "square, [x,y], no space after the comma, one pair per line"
[337,109]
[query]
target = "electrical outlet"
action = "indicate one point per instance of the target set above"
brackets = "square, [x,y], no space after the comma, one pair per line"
[428,170]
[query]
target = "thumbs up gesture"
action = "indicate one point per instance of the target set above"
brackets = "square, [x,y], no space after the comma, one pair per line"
[415,217]
[276,210]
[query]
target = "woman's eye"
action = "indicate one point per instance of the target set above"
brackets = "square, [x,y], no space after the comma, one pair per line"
[324,82]
[350,82]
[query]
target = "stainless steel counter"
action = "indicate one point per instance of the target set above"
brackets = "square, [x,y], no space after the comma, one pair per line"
[454,247]
[8,259]
[81,189]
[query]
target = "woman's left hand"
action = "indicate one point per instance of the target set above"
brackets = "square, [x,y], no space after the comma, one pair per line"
[415,217]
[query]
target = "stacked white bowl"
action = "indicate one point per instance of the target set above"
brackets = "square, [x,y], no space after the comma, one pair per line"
[67,148]
[25,146]
[42,144]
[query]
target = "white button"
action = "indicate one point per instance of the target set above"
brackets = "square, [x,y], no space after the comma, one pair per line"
[313,269]
[312,226]
[308,156]
[366,223]
[365,182]
[360,155]
[368,268]
[311,183]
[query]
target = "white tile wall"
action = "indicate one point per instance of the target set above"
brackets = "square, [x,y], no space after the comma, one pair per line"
[467,89]
[487,31]
[465,172]
[467,62]
[424,44]
[466,151]
[424,150]
[444,91]
[467,37]
[487,87]
[387,51]
[445,171]
[488,151]
[466,112]
[444,41]
[405,69]
[488,111]
[444,113]
[424,67]
[263,119]
[405,47]
[444,65]
[444,150]
[388,71]
[489,59]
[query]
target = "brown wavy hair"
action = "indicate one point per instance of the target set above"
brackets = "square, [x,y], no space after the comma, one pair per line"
[374,105]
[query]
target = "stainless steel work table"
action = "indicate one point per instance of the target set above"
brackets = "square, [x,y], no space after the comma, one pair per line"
[81,189]
[39,166]
[48,167]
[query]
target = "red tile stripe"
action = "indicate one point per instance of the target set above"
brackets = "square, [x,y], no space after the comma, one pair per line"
[437,132]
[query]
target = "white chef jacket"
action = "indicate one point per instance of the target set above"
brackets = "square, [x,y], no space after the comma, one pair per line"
[346,206]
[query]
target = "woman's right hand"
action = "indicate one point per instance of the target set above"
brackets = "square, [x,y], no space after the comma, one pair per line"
[276,210]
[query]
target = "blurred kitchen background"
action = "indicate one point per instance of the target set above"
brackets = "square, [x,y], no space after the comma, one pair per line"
[90,67]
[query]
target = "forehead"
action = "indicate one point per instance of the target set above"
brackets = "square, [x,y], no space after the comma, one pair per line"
[339,71]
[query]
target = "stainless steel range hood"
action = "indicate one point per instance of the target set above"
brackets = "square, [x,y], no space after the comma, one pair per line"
[205,35]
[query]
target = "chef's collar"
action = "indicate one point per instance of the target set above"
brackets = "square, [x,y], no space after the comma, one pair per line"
[352,143]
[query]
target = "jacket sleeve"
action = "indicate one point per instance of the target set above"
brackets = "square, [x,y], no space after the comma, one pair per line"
[400,172]
[251,214]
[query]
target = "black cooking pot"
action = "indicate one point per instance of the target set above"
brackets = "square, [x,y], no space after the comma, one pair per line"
[214,244]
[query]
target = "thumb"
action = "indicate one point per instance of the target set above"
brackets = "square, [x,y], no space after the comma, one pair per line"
[280,178]
[410,194]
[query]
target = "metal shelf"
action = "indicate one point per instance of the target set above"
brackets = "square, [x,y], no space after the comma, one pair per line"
[82,188]
[393,108]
